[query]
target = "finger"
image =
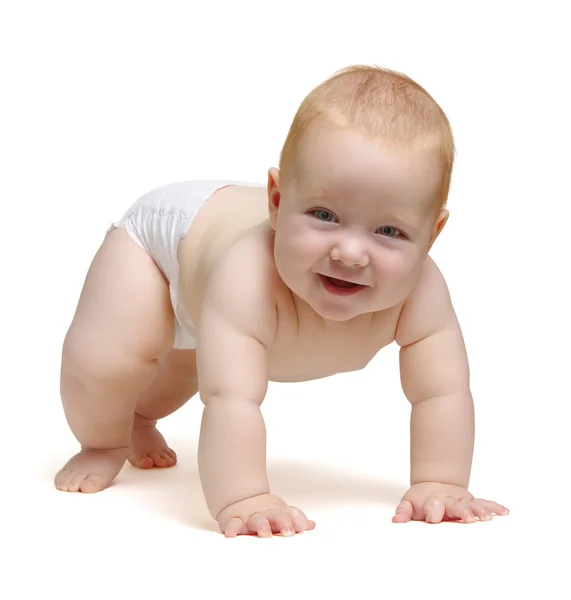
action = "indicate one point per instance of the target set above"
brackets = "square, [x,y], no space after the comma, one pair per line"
[281,523]
[459,510]
[234,527]
[260,525]
[494,507]
[480,511]
[403,512]
[434,509]
[299,520]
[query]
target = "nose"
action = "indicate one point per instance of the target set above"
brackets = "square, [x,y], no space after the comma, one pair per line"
[351,253]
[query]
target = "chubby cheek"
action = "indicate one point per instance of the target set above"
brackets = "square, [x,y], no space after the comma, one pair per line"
[298,246]
[398,269]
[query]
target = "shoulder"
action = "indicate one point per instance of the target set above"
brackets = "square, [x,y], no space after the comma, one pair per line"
[428,308]
[241,286]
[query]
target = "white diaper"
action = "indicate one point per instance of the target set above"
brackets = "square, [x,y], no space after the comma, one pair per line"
[157,222]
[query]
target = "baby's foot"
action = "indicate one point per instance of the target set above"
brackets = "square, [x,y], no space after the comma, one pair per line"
[91,470]
[148,446]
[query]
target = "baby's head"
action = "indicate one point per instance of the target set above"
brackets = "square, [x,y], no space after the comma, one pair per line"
[360,193]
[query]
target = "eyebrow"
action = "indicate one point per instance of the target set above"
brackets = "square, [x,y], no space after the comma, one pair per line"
[319,193]
[406,224]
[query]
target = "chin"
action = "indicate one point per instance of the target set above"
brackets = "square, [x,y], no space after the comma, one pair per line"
[335,315]
[330,317]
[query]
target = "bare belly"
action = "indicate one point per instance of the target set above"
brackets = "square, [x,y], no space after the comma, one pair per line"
[304,347]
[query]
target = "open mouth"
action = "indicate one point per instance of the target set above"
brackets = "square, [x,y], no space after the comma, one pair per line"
[340,282]
[339,286]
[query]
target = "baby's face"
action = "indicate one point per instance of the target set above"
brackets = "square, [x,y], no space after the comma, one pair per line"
[356,212]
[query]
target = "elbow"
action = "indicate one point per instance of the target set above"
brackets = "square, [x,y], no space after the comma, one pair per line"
[252,396]
[418,399]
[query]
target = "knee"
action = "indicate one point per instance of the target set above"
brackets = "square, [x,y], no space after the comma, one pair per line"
[92,362]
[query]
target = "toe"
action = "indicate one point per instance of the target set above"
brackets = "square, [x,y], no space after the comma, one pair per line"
[171,453]
[141,460]
[92,484]
[169,462]
[74,482]
[158,460]
[60,481]
[146,462]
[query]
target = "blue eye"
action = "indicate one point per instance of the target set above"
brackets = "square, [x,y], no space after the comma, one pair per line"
[328,217]
[389,231]
[320,212]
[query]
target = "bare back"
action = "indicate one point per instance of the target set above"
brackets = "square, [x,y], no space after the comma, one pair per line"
[304,347]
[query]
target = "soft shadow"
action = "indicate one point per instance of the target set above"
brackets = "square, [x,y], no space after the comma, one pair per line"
[176,493]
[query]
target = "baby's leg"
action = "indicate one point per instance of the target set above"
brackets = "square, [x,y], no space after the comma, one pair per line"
[122,326]
[175,384]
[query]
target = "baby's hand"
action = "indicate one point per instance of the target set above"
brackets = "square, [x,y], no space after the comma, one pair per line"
[436,502]
[263,515]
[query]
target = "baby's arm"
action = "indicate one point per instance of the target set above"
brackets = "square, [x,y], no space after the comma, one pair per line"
[237,323]
[435,379]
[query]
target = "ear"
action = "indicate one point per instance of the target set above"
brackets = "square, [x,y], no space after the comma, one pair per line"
[438,226]
[273,196]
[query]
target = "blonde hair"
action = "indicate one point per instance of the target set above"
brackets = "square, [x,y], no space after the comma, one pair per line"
[379,103]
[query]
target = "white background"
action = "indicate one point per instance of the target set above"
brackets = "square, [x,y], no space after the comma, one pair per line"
[101,102]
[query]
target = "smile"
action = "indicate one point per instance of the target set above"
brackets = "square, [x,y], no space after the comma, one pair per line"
[339,287]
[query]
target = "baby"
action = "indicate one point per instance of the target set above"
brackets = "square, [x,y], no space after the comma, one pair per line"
[218,287]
